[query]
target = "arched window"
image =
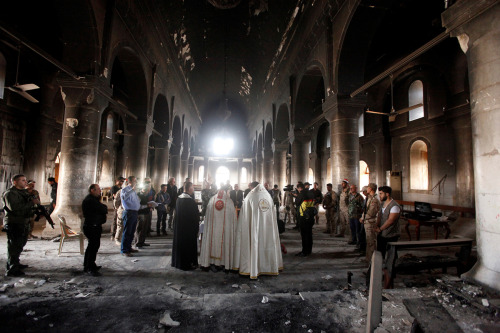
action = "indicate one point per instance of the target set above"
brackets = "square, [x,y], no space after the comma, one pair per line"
[419,166]
[364,174]
[310,146]
[221,175]
[328,141]
[109,126]
[361,125]
[243,176]
[416,96]
[310,179]
[3,67]
[201,173]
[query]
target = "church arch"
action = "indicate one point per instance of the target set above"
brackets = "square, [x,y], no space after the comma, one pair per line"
[419,165]
[364,174]
[310,97]
[128,82]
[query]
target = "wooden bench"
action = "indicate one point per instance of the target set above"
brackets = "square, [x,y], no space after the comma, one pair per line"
[465,245]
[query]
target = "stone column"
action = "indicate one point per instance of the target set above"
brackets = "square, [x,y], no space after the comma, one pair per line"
[175,167]
[479,35]
[267,171]
[253,175]
[344,148]
[79,149]
[238,165]
[160,171]
[462,133]
[206,164]
[137,148]
[280,151]
[300,157]
[259,161]
[184,164]
[191,168]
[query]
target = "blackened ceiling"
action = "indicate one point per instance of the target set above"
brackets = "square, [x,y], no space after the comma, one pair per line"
[246,37]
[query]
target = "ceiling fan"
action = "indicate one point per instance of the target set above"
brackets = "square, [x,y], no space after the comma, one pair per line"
[22,89]
[393,114]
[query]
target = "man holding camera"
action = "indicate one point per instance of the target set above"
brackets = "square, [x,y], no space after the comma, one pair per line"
[304,202]
[19,207]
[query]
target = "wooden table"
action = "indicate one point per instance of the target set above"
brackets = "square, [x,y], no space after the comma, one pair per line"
[430,223]
[465,245]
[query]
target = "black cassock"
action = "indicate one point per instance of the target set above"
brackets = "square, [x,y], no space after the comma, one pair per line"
[186,226]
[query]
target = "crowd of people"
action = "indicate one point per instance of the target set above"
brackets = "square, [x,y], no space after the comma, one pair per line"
[237,230]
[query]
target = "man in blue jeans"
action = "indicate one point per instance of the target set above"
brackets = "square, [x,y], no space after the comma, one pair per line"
[131,204]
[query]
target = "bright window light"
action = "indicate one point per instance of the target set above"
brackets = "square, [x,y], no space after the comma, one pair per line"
[223,146]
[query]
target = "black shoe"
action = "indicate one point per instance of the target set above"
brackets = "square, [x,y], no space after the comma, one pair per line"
[97,268]
[145,244]
[15,273]
[351,243]
[164,233]
[300,254]
[22,266]
[158,234]
[93,273]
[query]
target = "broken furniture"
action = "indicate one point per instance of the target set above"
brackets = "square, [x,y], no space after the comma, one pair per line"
[67,232]
[465,245]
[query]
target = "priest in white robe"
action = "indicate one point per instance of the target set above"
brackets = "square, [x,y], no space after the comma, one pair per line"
[257,250]
[217,246]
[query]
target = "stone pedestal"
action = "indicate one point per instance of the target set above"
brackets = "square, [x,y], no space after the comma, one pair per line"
[79,149]
[478,30]
[280,152]
[343,116]
[300,157]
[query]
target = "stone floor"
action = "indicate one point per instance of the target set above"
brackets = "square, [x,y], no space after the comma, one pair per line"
[310,295]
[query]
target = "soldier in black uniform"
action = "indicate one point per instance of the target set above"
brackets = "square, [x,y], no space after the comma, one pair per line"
[94,213]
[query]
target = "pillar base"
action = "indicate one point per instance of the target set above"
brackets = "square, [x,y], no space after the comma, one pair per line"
[483,276]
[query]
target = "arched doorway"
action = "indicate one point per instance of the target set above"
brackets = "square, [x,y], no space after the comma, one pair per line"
[106,179]
[221,175]
[419,166]
[364,174]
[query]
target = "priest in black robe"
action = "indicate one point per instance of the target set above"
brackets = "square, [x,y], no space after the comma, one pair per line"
[186,224]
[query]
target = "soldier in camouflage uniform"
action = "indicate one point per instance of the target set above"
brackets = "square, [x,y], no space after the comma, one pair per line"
[369,219]
[19,207]
[291,213]
[330,204]
[344,209]
[355,211]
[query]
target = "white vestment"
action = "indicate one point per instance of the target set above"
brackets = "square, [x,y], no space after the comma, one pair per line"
[217,246]
[258,249]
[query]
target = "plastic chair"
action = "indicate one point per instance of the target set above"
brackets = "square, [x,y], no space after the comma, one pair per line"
[67,232]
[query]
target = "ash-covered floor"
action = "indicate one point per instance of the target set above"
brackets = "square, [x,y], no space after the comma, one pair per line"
[310,295]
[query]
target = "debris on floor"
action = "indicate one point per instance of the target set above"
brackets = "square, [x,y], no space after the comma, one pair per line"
[166,320]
